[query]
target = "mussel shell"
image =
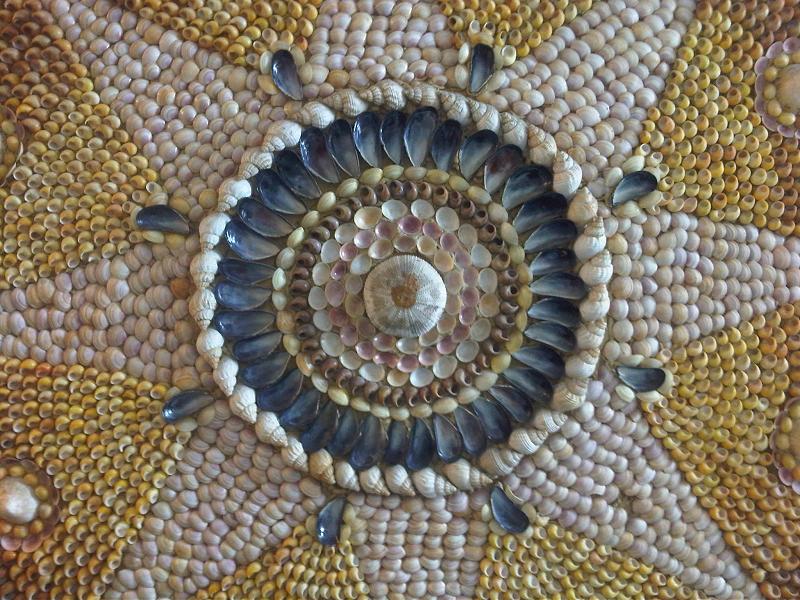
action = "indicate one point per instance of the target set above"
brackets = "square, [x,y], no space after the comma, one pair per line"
[260,346]
[244,272]
[240,297]
[560,285]
[493,418]
[367,137]
[321,430]
[481,67]
[525,184]
[475,150]
[343,148]
[262,220]
[642,379]
[315,155]
[634,186]
[329,522]
[270,190]
[552,261]
[419,134]
[397,444]
[449,444]
[421,446]
[246,243]
[265,371]
[554,335]
[547,207]
[556,310]
[445,144]
[530,383]
[369,445]
[185,404]
[392,128]
[292,172]
[160,217]
[500,165]
[542,359]
[284,75]
[236,324]
[280,395]
[506,513]
[553,234]
[472,432]
[514,401]
[303,411]
[346,433]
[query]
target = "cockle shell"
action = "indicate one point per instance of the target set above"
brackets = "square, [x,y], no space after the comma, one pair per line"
[320,464]
[596,304]
[313,114]
[398,480]
[455,106]
[269,430]
[485,116]
[202,305]
[386,93]
[372,481]
[211,229]
[527,441]
[568,395]
[209,345]
[423,94]
[542,146]
[225,374]
[566,175]
[499,461]
[346,476]
[591,241]
[465,476]
[591,334]
[430,484]
[513,130]
[243,402]
[583,364]
[583,207]
[598,270]
[203,267]
[294,455]
[347,102]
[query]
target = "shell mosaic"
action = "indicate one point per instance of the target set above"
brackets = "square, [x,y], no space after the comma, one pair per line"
[421,299]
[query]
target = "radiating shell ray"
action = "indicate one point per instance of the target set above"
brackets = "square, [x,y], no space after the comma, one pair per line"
[481,67]
[449,443]
[391,133]
[273,193]
[236,325]
[554,335]
[505,160]
[315,155]
[370,444]
[560,285]
[542,359]
[240,297]
[404,296]
[247,243]
[284,74]
[302,411]
[634,186]
[475,150]
[552,261]
[343,148]
[292,172]
[262,220]
[245,272]
[418,134]
[161,217]
[259,346]
[266,371]
[445,144]
[280,395]
[547,207]
[321,430]
[557,310]
[551,235]
[366,135]
[525,184]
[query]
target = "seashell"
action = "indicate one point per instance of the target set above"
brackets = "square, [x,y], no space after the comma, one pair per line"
[542,146]
[591,241]
[556,310]
[315,156]
[475,150]
[269,430]
[517,402]
[461,76]
[527,441]
[591,334]
[284,74]
[552,261]
[386,93]
[346,433]
[569,395]
[431,485]
[347,102]
[294,175]
[253,159]
[542,359]
[553,234]
[370,444]
[398,481]
[547,207]
[471,430]
[506,513]
[312,114]
[494,419]
[247,243]
[397,444]
[634,186]
[287,131]
[320,465]
[464,476]
[449,444]
[239,297]
[321,430]
[550,421]
[596,305]
[513,130]
[560,285]
[257,347]
[225,374]
[481,67]
[212,228]
[346,477]
[422,94]
[280,395]
[265,371]
[235,325]
[598,270]
[243,272]
[294,456]
[343,148]
[455,107]
[203,267]
[525,184]
[641,379]
[418,134]
[484,116]
[209,345]
[420,446]
[583,364]
[329,521]
[404,296]
[391,133]
[302,412]
[273,193]
[202,305]
[445,144]
[161,217]
[552,334]
[366,135]
[582,207]
[566,175]
[500,165]
[499,461]
[372,482]
[185,404]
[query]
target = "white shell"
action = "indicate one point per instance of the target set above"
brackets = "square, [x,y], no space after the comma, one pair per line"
[347,102]
[566,175]
[591,334]
[287,131]
[455,106]
[243,403]
[209,345]
[203,268]
[591,241]
[551,421]
[386,93]
[346,476]
[583,207]
[269,430]
[372,481]
[542,146]
[499,461]
[484,115]
[398,480]
[211,229]
[596,304]
[464,476]
[598,270]
[314,114]
[582,364]
[513,129]
[320,465]
[253,160]
[225,374]
[294,455]
[423,94]
[527,441]
[202,305]
[569,394]
[430,484]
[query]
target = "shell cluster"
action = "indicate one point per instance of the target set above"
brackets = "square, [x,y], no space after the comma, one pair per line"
[777,86]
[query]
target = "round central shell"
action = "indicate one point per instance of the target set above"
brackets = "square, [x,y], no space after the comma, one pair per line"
[404,296]
[788,91]
[18,504]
